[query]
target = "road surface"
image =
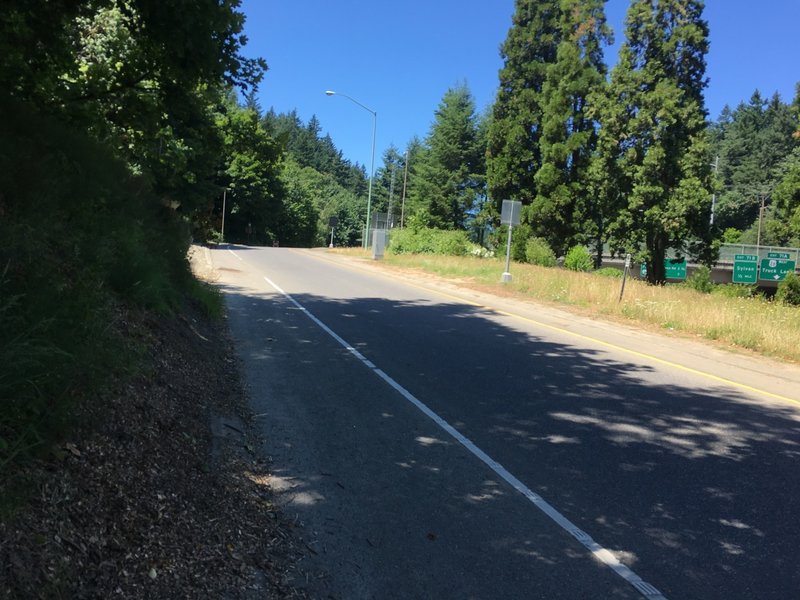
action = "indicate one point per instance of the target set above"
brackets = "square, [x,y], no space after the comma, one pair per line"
[435,443]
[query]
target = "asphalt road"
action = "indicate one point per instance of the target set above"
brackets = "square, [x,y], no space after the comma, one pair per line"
[438,444]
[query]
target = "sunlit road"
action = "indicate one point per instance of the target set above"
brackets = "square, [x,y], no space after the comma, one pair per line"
[434,448]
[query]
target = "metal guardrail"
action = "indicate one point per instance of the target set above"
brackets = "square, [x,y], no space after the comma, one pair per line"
[727,252]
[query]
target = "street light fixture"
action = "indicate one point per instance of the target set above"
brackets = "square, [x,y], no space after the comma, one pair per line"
[372,165]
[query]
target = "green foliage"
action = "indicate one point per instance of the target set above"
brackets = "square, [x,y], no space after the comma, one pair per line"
[109,150]
[81,237]
[753,141]
[653,173]
[307,148]
[207,297]
[513,151]
[786,198]
[429,241]
[538,252]
[609,272]
[700,280]
[563,205]
[579,259]
[735,290]
[257,207]
[449,172]
[789,290]
[731,236]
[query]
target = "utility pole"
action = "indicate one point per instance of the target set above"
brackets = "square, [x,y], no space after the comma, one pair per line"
[222,231]
[391,195]
[405,181]
[760,219]
[714,193]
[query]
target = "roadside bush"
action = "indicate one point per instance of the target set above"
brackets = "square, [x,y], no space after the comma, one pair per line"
[789,290]
[609,272]
[430,241]
[538,252]
[519,242]
[578,259]
[700,280]
[735,290]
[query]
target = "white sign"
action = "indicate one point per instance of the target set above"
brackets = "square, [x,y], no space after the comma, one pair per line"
[512,210]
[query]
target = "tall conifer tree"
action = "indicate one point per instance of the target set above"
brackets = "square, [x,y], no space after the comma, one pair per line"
[653,134]
[514,154]
[568,136]
[450,174]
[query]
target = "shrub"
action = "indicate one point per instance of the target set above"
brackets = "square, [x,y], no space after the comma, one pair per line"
[538,252]
[735,290]
[789,290]
[609,272]
[700,280]
[578,259]
[430,241]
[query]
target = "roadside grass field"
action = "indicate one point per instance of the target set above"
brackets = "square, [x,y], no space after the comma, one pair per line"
[755,324]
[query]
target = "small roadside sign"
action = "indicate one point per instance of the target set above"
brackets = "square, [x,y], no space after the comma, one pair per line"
[745,268]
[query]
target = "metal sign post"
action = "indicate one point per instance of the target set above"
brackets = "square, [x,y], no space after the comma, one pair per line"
[332,223]
[625,275]
[510,216]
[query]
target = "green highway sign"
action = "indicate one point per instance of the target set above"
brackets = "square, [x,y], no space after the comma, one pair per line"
[674,268]
[745,268]
[776,268]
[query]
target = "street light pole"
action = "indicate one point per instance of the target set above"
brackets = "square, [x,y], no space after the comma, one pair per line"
[222,229]
[405,181]
[372,164]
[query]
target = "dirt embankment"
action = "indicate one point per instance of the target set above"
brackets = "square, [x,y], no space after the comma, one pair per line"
[158,494]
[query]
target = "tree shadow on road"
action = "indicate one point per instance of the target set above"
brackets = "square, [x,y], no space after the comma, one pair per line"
[690,482]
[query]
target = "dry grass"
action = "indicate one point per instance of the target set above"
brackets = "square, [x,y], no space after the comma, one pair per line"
[755,324]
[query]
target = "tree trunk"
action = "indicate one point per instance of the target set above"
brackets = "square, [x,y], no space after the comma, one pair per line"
[656,272]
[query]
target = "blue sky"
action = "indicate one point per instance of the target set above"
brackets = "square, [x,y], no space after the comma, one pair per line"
[399,58]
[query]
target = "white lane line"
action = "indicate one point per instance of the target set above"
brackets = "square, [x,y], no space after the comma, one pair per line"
[599,552]
[236,255]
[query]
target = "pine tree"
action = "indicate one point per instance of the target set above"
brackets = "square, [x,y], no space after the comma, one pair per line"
[568,136]
[654,133]
[514,154]
[449,175]
[753,142]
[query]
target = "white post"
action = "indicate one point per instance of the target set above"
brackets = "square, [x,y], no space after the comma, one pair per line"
[506,277]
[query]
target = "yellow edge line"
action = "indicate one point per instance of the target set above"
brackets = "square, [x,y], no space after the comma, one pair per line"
[668,363]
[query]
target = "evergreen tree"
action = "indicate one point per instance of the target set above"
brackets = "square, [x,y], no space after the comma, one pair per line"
[449,175]
[386,188]
[414,207]
[513,152]
[752,141]
[562,206]
[251,174]
[653,131]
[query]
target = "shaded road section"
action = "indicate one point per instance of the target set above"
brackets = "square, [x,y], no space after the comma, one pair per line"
[687,482]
